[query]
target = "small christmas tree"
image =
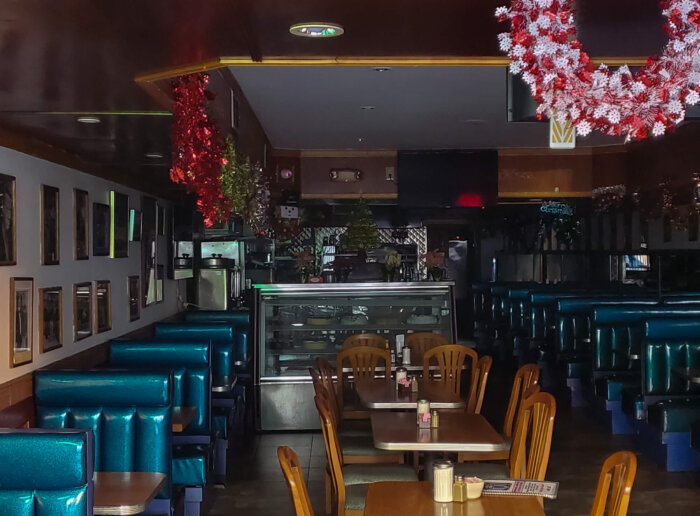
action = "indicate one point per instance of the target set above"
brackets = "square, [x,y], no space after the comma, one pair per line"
[362,232]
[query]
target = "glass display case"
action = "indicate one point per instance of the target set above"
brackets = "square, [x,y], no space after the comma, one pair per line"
[295,323]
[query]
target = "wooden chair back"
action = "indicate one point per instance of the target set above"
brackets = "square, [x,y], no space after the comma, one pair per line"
[480,376]
[363,360]
[450,359]
[527,376]
[421,342]
[326,370]
[615,485]
[366,339]
[529,451]
[334,454]
[315,377]
[295,481]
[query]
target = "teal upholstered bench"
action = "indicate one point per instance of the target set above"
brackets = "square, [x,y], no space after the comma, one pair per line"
[190,365]
[46,472]
[128,412]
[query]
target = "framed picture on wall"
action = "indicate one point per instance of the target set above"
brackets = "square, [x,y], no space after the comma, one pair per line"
[50,318]
[100,229]
[49,225]
[161,220]
[21,317]
[119,233]
[160,275]
[82,310]
[8,233]
[134,295]
[81,224]
[134,226]
[103,310]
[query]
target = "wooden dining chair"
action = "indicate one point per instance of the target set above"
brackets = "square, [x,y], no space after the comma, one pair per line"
[527,376]
[326,371]
[363,361]
[615,485]
[350,482]
[295,481]
[532,441]
[450,360]
[421,342]
[480,377]
[366,339]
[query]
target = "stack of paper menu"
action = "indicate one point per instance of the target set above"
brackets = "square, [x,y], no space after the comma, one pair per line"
[521,488]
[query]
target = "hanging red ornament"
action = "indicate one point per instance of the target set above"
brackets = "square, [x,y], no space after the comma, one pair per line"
[197,152]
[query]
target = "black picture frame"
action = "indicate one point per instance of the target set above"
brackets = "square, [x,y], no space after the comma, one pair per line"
[82,311]
[100,229]
[81,224]
[50,318]
[8,224]
[119,228]
[50,221]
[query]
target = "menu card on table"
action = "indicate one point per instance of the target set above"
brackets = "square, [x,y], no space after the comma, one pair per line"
[521,488]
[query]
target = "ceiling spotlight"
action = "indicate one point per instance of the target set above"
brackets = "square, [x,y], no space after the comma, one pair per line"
[154,155]
[89,120]
[382,68]
[360,139]
[316,30]
[367,108]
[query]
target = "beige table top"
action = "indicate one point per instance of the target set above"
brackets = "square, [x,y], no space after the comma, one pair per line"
[181,417]
[379,394]
[125,493]
[416,499]
[458,432]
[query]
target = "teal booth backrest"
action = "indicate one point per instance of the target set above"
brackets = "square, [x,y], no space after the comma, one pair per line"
[670,343]
[574,320]
[127,411]
[543,309]
[46,472]
[481,295]
[241,318]
[499,303]
[229,343]
[190,365]
[687,298]
[519,300]
[621,328]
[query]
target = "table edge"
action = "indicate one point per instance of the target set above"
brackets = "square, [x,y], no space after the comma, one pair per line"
[125,510]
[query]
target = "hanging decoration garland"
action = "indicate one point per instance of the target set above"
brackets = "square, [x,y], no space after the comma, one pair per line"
[543,49]
[237,179]
[258,208]
[197,148]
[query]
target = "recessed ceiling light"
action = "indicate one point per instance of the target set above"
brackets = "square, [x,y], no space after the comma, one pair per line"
[316,30]
[360,139]
[89,120]
[367,108]
[382,68]
[154,155]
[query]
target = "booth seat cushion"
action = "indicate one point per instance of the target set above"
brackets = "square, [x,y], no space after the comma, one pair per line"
[578,369]
[674,415]
[190,465]
[670,343]
[354,445]
[46,472]
[190,365]
[610,388]
[240,318]
[355,496]
[221,417]
[483,470]
[354,474]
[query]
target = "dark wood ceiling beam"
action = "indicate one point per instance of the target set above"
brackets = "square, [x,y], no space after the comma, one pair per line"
[242,23]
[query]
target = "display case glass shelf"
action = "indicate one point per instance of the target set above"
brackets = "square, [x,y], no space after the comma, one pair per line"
[297,323]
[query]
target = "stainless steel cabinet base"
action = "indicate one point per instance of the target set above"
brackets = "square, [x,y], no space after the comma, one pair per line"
[287,406]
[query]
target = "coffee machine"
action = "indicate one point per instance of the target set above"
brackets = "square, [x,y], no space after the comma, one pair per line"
[218,276]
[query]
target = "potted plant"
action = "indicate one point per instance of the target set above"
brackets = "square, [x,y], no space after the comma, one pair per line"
[434,261]
[392,263]
[303,261]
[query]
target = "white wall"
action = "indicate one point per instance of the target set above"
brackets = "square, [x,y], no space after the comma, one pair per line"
[31,173]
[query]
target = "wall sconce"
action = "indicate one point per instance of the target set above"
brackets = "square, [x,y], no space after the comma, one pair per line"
[345,175]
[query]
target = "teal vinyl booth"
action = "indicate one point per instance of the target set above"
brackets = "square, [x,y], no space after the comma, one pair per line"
[673,402]
[241,323]
[190,366]
[46,472]
[127,411]
[618,332]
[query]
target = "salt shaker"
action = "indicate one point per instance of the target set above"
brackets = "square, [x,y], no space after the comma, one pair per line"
[442,481]
[406,356]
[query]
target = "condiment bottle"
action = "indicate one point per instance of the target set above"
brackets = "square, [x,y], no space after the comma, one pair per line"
[442,481]
[414,384]
[434,419]
[459,489]
[422,407]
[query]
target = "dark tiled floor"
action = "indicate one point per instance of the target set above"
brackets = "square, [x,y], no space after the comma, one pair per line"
[256,486]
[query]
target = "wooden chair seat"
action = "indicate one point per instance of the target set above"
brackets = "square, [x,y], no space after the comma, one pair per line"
[483,470]
[359,449]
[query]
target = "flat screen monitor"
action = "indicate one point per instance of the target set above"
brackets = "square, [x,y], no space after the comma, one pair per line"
[448,179]
[637,262]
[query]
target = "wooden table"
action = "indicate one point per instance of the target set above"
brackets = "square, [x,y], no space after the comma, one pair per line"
[181,417]
[458,432]
[416,499]
[692,374]
[223,383]
[125,493]
[379,394]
